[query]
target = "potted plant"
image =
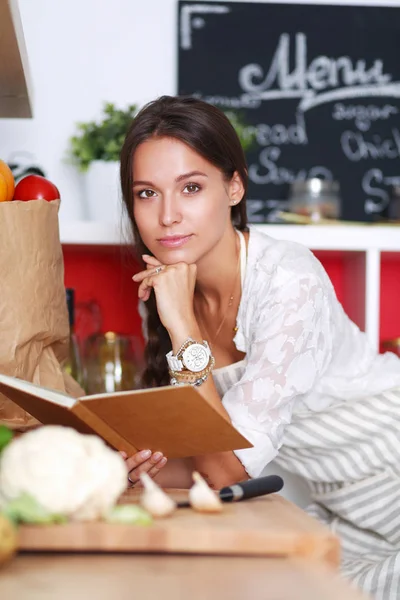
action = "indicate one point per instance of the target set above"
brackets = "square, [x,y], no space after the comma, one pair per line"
[95,149]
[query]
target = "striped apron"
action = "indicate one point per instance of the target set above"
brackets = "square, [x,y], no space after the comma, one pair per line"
[349,455]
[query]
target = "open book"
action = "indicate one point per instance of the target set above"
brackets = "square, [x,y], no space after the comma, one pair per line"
[175,420]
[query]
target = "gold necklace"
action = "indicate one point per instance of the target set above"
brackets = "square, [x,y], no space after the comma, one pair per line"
[230,302]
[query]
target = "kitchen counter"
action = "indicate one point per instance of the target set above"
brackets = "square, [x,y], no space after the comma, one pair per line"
[148,577]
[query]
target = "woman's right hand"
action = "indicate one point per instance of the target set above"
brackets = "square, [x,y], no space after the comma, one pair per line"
[144,461]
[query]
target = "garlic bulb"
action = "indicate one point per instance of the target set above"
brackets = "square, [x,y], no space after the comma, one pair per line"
[154,499]
[202,497]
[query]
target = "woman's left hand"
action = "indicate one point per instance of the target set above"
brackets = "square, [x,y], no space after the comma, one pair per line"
[173,286]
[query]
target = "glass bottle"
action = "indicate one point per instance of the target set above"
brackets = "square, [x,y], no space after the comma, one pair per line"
[392,346]
[73,364]
[315,198]
[113,363]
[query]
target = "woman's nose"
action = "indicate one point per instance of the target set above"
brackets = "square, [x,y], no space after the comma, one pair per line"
[169,212]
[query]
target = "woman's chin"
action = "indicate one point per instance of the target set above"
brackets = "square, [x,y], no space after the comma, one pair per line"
[172,256]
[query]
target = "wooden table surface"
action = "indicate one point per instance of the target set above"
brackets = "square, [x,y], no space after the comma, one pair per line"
[169,577]
[265,526]
[296,558]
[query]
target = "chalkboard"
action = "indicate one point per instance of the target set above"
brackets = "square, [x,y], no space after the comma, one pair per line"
[318,84]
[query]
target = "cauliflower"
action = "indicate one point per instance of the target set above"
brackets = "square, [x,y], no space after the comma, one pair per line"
[66,472]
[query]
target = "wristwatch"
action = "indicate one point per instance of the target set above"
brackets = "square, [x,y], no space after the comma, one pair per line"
[192,356]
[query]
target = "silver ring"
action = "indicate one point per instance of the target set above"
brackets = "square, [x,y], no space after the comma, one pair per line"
[158,270]
[131,482]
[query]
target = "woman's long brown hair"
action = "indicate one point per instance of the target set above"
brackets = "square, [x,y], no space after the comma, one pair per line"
[209,132]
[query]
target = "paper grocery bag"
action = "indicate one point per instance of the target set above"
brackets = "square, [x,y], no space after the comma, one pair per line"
[34,327]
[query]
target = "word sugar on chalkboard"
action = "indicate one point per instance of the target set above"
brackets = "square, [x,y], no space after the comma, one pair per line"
[318,85]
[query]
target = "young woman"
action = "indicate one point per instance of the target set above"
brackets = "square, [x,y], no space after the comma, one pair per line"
[254,323]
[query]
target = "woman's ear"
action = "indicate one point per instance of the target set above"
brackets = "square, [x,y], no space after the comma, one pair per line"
[236,189]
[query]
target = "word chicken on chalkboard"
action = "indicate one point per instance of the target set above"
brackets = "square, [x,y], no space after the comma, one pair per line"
[317,86]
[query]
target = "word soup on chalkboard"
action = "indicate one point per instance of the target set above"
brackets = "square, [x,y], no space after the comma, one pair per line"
[316,86]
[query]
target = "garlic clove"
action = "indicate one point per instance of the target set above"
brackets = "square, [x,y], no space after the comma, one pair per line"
[154,499]
[202,497]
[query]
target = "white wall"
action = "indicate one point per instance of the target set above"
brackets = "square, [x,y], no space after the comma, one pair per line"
[84,52]
[81,53]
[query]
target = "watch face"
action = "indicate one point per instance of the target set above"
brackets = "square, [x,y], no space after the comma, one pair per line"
[195,358]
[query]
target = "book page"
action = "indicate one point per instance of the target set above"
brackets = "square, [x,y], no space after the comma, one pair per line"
[38,391]
[125,393]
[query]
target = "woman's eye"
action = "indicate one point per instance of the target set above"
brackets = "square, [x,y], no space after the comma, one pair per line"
[192,188]
[146,194]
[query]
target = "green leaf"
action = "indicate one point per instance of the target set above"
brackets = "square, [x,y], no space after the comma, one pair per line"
[129,514]
[26,509]
[245,132]
[6,436]
[101,140]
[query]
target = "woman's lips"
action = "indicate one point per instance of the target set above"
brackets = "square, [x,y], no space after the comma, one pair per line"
[175,241]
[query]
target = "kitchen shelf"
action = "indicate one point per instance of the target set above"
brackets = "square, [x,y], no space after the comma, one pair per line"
[15,90]
[344,238]
[360,246]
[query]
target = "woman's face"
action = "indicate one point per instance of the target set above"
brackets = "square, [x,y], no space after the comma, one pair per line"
[181,201]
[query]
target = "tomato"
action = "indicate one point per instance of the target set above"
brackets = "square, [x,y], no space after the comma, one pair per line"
[7,183]
[35,187]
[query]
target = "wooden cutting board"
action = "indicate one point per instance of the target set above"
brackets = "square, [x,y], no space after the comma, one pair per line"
[267,526]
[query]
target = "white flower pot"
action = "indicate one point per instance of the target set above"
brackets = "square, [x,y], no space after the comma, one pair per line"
[102,193]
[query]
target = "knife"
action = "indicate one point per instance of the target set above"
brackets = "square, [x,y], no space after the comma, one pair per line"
[251,488]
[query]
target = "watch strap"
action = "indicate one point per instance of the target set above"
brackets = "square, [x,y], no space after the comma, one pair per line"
[174,364]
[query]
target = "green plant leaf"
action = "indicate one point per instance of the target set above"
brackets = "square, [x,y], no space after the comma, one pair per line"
[26,509]
[102,139]
[245,132]
[6,436]
[128,514]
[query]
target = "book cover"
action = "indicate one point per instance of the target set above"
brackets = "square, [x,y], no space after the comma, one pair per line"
[176,420]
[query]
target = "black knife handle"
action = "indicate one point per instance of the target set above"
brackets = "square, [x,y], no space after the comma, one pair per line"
[260,486]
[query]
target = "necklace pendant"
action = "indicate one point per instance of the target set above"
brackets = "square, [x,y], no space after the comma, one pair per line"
[235,329]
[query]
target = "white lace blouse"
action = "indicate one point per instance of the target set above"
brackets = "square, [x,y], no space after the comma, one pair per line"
[302,351]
